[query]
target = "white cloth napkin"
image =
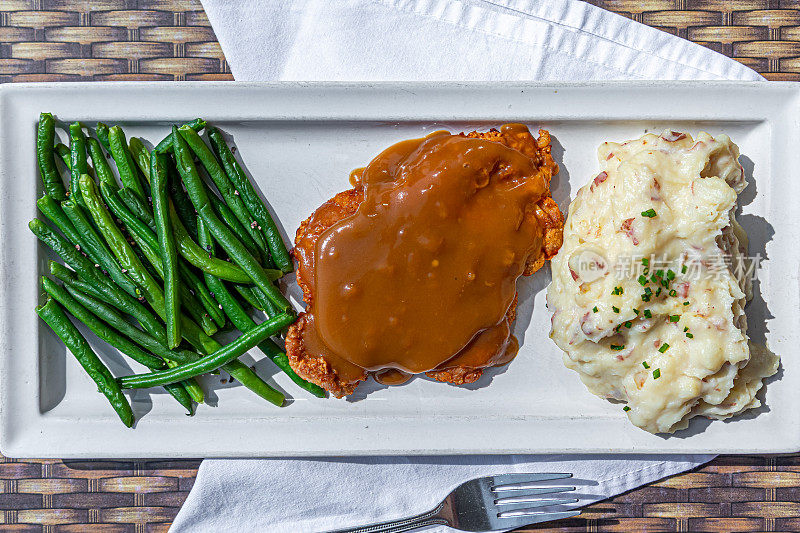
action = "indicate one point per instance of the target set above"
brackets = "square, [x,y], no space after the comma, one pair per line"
[424,40]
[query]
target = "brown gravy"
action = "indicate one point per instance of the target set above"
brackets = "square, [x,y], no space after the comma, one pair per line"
[422,275]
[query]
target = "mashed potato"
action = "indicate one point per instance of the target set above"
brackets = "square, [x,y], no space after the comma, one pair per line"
[649,286]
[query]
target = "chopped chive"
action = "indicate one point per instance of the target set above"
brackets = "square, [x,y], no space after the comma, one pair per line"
[617,346]
[670,274]
[644,364]
[690,335]
[673,293]
[674,318]
[626,408]
[658,292]
[686,328]
[646,261]
[685,303]
[594,309]
[650,213]
[645,297]
[617,291]
[659,273]
[628,324]
[648,290]
[683,269]
[642,281]
[664,283]
[653,278]
[636,311]
[646,271]
[656,373]
[615,309]
[664,348]
[647,313]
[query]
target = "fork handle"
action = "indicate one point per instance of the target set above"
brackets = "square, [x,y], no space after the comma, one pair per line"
[430,518]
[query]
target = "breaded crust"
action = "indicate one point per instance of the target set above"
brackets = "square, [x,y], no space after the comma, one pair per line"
[316,369]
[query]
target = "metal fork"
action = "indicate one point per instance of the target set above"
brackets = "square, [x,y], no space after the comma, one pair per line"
[489,503]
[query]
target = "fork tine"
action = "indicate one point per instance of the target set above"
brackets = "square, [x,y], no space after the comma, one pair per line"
[531,496]
[507,479]
[502,509]
[526,520]
[526,490]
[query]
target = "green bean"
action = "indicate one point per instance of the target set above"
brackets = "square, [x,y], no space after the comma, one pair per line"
[265,302]
[128,173]
[166,242]
[189,292]
[84,239]
[104,332]
[113,318]
[200,258]
[262,302]
[97,327]
[119,245]
[180,200]
[249,295]
[102,288]
[242,321]
[95,247]
[102,135]
[117,298]
[99,162]
[62,151]
[193,293]
[270,309]
[234,248]
[195,312]
[259,211]
[226,189]
[182,393]
[211,362]
[191,332]
[137,206]
[78,163]
[141,155]
[202,342]
[83,266]
[73,257]
[54,317]
[134,267]
[52,210]
[229,218]
[166,143]
[188,249]
[45,156]
[203,293]
[110,316]
[191,386]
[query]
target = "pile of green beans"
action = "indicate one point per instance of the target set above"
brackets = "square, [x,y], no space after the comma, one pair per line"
[137,230]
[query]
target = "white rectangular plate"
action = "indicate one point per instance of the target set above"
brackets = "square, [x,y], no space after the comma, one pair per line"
[299,142]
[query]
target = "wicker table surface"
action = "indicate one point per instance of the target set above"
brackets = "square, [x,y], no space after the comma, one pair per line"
[71,40]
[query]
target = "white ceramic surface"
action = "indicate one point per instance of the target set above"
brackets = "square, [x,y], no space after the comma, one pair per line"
[300,142]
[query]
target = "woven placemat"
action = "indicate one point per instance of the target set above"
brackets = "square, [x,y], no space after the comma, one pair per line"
[72,40]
